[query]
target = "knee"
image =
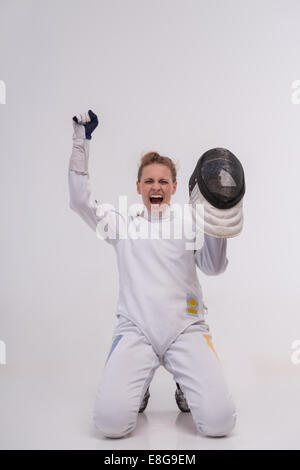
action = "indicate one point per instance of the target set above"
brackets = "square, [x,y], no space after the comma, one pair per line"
[113,422]
[217,422]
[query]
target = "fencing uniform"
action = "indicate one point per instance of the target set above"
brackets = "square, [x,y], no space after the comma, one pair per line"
[160,311]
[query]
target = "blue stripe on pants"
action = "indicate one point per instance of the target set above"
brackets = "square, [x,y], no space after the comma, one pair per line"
[116,340]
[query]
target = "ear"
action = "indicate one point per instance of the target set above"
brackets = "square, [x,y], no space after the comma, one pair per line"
[174,187]
[138,187]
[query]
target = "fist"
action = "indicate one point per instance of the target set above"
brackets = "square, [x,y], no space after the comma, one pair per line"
[89,120]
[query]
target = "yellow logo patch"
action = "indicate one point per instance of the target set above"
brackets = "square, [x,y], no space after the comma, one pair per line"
[192,305]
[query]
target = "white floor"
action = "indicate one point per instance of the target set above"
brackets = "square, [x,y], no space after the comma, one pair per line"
[51,414]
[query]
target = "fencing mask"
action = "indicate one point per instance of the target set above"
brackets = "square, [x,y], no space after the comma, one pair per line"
[216,189]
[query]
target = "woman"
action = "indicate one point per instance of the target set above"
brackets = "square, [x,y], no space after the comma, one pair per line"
[160,308]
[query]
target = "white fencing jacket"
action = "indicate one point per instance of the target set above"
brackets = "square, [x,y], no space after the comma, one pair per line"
[159,290]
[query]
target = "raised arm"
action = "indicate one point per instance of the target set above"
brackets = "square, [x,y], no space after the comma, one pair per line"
[211,258]
[81,200]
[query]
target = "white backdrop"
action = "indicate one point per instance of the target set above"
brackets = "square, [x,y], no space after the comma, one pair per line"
[178,77]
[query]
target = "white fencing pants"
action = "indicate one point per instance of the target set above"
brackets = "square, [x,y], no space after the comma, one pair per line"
[196,368]
[129,370]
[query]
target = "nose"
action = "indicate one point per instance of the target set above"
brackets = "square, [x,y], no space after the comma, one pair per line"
[156,186]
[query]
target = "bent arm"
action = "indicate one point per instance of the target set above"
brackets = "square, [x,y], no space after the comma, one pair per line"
[211,258]
[100,218]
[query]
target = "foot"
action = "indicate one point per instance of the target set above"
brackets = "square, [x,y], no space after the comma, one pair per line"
[180,400]
[145,401]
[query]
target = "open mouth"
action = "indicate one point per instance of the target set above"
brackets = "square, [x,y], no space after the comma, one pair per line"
[156,199]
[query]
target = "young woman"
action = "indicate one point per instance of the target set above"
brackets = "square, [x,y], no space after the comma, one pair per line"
[161,312]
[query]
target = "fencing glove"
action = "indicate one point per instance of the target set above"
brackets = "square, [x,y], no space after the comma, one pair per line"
[84,125]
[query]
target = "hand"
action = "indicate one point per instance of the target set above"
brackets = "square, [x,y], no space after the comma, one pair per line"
[89,121]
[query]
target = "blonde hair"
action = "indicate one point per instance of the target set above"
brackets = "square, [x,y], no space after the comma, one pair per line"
[154,157]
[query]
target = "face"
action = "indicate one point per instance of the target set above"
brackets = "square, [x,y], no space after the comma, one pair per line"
[156,187]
